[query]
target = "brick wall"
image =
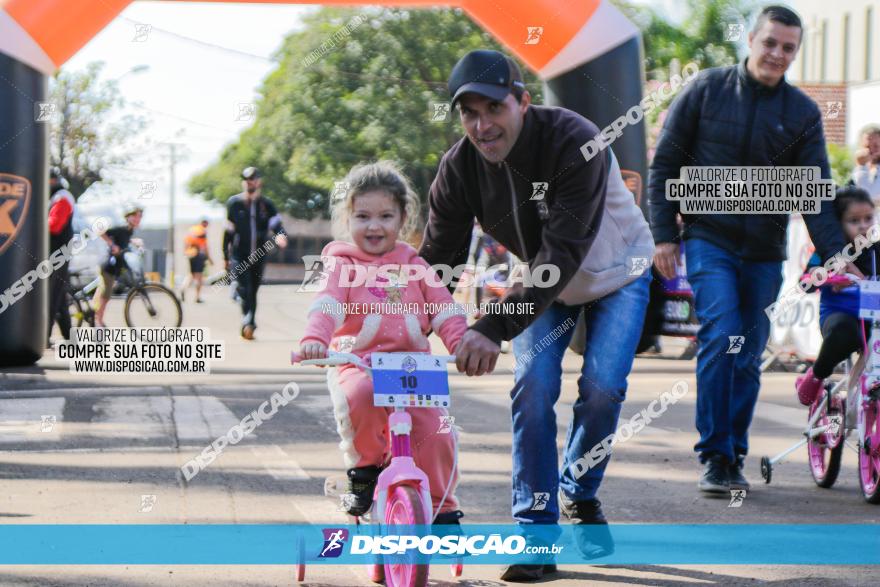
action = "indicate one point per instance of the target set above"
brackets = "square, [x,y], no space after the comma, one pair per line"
[832,102]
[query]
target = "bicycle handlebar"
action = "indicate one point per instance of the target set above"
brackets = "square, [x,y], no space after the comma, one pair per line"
[337,358]
[848,277]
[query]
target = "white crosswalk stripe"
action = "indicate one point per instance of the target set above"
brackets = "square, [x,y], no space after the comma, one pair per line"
[278,463]
[202,418]
[189,418]
[31,419]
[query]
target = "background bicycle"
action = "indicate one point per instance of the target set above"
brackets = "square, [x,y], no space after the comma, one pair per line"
[146,303]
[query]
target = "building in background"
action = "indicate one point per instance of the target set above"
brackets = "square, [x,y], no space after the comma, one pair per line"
[839,63]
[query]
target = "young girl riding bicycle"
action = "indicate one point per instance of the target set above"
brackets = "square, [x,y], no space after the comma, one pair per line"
[378,210]
[839,302]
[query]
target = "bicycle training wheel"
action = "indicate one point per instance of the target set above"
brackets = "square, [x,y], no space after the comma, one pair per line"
[404,508]
[826,449]
[152,305]
[869,451]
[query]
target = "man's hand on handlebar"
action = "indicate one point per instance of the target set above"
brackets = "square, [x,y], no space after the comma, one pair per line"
[666,257]
[476,354]
[313,350]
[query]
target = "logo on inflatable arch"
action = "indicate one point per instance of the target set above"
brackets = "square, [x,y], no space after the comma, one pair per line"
[15,196]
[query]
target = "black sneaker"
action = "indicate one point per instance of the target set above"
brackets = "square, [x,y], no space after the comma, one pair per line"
[716,478]
[448,518]
[594,542]
[361,484]
[735,474]
[526,573]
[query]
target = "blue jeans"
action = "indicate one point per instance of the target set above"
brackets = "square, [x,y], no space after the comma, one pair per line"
[614,326]
[730,296]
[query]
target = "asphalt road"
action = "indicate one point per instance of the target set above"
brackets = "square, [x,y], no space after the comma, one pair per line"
[118,438]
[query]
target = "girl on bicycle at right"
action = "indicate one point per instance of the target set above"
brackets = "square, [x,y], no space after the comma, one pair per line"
[839,303]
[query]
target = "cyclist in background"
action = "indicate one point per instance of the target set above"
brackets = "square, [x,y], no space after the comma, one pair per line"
[117,238]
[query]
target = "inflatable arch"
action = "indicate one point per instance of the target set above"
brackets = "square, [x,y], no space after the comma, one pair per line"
[586,51]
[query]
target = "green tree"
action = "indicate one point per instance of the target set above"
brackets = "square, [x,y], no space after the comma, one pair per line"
[90,131]
[366,95]
[842,161]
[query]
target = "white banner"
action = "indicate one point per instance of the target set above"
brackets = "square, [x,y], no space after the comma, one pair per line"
[798,328]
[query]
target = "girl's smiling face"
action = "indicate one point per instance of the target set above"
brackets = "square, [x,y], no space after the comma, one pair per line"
[375,223]
[857,219]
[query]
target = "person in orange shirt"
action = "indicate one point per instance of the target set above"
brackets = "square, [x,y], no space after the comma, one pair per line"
[196,248]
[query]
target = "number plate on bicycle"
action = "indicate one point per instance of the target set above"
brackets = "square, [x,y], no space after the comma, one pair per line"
[869,300]
[409,380]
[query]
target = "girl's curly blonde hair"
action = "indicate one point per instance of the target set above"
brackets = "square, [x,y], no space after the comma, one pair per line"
[383,176]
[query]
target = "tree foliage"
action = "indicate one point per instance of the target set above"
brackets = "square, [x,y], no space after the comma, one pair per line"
[89,131]
[368,97]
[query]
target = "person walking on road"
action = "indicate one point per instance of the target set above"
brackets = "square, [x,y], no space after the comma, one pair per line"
[196,249]
[741,115]
[251,219]
[520,172]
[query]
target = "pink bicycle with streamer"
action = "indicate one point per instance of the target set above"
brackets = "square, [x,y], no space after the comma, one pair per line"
[402,495]
[851,403]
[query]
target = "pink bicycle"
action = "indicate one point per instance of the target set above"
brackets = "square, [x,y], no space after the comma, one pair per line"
[850,403]
[402,495]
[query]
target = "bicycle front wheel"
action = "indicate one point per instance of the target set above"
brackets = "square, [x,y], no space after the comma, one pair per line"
[869,450]
[152,305]
[79,313]
[404,508]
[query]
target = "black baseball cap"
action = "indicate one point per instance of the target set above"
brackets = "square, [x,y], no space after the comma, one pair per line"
[250,173]
[488,73]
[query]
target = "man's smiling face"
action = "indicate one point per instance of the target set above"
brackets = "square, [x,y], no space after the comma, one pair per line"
[772,48]
[492,125]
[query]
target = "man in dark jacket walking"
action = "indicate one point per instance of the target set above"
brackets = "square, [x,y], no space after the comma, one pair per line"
[743,115]
[253,227]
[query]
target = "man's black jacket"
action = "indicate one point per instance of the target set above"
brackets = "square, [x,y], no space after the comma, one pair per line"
[725,117]
[249,226]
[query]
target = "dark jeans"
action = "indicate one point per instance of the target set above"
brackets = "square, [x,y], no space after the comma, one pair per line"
[841,337]
[58,310]
[730,296]
[248,282]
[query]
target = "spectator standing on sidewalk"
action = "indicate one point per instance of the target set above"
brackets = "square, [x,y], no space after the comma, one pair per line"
[866,175]
[61,207]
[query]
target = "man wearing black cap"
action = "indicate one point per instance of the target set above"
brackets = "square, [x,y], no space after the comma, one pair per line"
[520,171]
[250,218]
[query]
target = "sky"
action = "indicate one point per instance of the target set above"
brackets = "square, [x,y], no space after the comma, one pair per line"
[203,60]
